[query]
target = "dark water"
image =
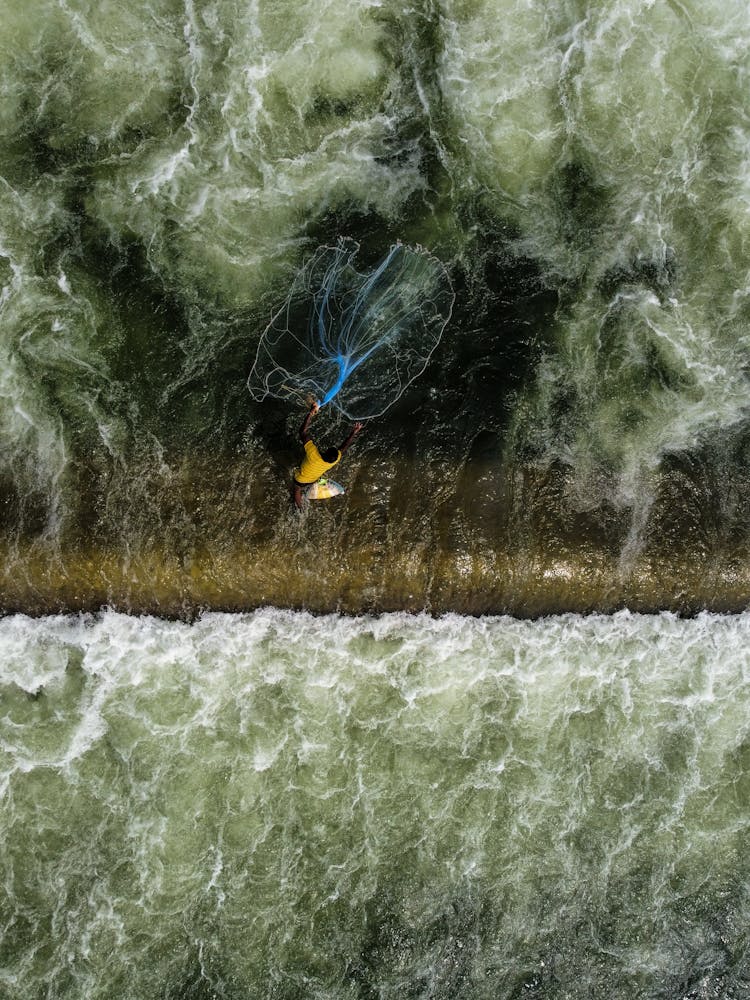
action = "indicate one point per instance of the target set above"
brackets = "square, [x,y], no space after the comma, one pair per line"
[582,172]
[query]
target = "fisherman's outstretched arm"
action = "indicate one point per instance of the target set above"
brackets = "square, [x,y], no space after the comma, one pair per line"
[352,434]
[303,435]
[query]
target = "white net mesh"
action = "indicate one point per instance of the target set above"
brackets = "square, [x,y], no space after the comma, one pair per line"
[351,339]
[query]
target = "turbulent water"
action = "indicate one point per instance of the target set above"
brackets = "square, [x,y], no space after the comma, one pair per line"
[271,804]
[282,806]
[581,169]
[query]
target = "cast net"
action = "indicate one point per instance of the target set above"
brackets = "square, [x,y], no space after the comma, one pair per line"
[354,339]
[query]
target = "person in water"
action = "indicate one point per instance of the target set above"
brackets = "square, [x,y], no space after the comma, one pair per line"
[316,463]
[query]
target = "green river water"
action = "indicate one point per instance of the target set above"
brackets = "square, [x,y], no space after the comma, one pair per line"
[580,168]
[282,806]
[256,767]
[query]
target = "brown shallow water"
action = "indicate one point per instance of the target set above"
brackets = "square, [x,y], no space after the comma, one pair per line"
[471,583]
[219,534]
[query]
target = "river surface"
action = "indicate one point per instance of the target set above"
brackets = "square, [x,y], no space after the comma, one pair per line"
[277,805]
[579,439]
[480,729]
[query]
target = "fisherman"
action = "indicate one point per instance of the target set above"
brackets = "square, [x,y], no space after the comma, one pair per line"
[316,463]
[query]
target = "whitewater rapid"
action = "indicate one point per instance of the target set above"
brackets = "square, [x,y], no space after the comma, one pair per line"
[276,804]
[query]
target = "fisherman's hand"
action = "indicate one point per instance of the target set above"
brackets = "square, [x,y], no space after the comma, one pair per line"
[357,427]
[314,407]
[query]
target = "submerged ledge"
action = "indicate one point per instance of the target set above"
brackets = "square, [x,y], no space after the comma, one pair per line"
[525,585]
[211,534]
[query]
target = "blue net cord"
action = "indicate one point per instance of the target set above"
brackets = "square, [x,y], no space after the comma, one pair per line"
[354,339]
